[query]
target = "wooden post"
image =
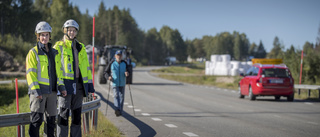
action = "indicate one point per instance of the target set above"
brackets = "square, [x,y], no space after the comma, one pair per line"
[96,119]
[22,131]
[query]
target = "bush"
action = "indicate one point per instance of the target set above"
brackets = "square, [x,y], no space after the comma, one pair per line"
[16,47]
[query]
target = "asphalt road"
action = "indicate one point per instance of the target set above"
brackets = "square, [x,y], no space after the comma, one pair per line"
[173,109]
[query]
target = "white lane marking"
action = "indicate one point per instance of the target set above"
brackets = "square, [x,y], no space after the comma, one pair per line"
[137,110]
[190,134]
[145,114]
[171,125]
[130,106]
[308,103]
[156,119]
[230,106]
[233,91]
[313,123]
[277,116]
[125,103]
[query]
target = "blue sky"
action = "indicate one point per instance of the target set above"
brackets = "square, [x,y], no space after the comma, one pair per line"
[293,21]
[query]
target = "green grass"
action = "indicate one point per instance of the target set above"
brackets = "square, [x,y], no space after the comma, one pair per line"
[314,94]
[191,69]
[202,80]
[8,106]
[105,128]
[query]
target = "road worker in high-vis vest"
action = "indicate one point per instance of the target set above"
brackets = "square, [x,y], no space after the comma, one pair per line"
[43,82]
[77,77]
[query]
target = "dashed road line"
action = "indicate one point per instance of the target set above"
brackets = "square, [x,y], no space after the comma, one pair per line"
[277,116]
[130,106]
[137,110]
[156,119]
[171,125]
[308,103]
[145,114]
[190,134]
[125,103]
[313,123]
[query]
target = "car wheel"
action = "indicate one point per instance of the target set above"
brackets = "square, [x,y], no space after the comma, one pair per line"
[240,94]
[251,96]
[277,97]
[290,97]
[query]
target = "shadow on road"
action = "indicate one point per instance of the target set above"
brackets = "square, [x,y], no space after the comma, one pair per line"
[157,84]
[145,130]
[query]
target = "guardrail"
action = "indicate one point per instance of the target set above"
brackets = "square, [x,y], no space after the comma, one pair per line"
[89,109]
[308,87]
[12,81]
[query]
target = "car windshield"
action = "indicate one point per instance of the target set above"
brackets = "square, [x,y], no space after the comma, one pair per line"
[276,72]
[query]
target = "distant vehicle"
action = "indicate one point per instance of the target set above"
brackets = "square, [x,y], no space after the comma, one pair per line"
[107,54]
[267,80]
[170,61]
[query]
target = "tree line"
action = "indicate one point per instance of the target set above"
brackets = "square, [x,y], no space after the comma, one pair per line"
[115,26]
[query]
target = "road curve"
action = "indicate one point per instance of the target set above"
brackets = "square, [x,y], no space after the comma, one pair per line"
[173,109]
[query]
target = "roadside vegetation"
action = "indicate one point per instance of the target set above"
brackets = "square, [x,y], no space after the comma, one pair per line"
[8,106]
[194,74]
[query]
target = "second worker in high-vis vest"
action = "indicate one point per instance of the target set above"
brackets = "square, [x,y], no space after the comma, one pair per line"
[43,83]
[77,77]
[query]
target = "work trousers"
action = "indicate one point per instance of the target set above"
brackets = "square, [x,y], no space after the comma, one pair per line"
[48,106]
[71,102]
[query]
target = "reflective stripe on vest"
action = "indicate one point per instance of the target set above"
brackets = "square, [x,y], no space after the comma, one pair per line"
[40,79]
[63,67]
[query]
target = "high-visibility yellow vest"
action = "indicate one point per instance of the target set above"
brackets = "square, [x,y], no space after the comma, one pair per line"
[67,65]
[37,73]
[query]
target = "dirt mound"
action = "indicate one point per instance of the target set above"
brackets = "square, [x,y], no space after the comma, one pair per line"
[6,62]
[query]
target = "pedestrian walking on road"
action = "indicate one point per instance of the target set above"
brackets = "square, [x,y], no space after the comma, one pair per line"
[117,71]
[77,77]
[42,82]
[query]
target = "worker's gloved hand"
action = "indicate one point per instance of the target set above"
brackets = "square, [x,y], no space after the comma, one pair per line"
[126,73]
[64,93]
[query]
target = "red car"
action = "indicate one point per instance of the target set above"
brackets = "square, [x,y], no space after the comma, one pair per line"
[267,80]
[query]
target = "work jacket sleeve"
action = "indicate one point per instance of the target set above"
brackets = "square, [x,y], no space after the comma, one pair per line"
[31,74]
[59,69]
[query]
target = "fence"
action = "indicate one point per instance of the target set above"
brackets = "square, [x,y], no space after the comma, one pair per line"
[89,109]
[308,87]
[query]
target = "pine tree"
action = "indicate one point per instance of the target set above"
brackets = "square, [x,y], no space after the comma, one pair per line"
[60,13]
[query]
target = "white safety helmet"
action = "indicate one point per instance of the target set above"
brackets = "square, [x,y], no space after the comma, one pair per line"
[71,23]
[43,27]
